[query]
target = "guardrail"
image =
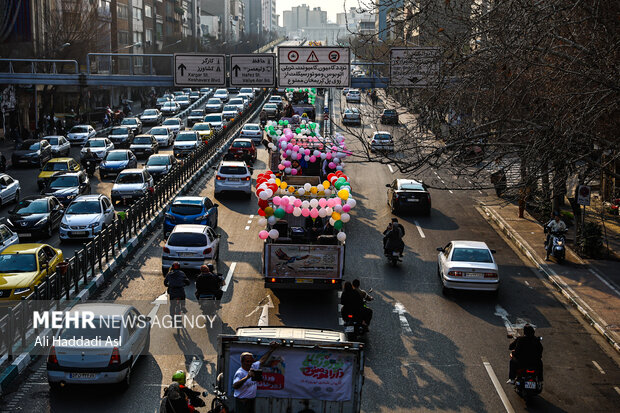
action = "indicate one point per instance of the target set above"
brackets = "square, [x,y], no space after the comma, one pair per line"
[75,273]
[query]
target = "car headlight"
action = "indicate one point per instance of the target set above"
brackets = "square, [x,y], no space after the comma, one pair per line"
[8,221]
[41,221]
[70,197]
[21,290]
[64,226]
[93,225]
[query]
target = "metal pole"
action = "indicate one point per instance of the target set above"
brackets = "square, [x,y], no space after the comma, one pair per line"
[36,108]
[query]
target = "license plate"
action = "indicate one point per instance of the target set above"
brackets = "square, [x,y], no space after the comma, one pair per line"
[349,329]
[78,233]
[83,375]
[303,280]
[126,196]
[25,234]
[530,385]
[395,253]
[186,254]
[233,179]
[23,161]
[472,274]
[413,200]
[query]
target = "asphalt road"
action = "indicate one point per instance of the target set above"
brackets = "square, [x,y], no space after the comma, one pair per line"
[425,352]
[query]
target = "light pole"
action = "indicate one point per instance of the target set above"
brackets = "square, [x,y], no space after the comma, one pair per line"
[171,44]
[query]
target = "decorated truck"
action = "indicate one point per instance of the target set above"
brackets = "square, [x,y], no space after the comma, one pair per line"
[311,371]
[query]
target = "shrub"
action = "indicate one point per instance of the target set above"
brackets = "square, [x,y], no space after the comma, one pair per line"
[591,241]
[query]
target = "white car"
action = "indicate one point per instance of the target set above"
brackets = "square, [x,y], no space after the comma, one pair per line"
[247,91]
[174,124]
[170,108]
[216,120]
[151,116]
[230,112]
[382,141]
[354,95]
[132,184]
[233,176]
[60,146]
[80,133]
[134,123]
[467,265]
[7,237]
[214,105]
[86,216]
[9,189]
[186,143]
[183,101]
[241,103]
[191,245]
[221,94]
[124,336]
[205,90]
[99,147]
[252,131]
[163,135]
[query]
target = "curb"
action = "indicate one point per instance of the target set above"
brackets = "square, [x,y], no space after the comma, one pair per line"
[589,315]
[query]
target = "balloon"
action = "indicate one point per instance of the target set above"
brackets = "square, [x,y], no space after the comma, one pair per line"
[311,159]
[301,191]
[314,203]
[307,186]
[331,165]
[322,212]
[344,217]
[322,202]
[328,155]
[281,167]
[314,190]
[289,208]
[291,189]
[329,211]
[305,212]
[263,234]
[297,202]
[335,216]
[337,201]
[337,225]
[283,185]
[278,182]
[331,202]
[297,211]
[272,220]
[276,200]
[330,176]
[305,204]
[279,213]
[293,171]
[298,130]
[261,212]
[263,203]
[284,201]
[307,158]
[307,152]
[274,234]
[343,194]
[341,236]
[323,156]
[337,208]
[332,222]
[320,187]
[351,202]
[346,208]
[328,192]
[269,211]
[314,213]
[262,222]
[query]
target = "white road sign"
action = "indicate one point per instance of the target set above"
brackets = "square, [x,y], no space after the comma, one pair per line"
[314,66]
[414,66]
[253,70]
[199,70]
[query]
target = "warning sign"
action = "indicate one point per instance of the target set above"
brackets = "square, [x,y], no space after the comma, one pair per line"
[324,66]
[312,58]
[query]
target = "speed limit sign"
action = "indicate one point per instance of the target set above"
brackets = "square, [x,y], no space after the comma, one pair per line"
[583,195]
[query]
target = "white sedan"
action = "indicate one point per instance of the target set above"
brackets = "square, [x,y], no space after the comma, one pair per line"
[191,245]
[467,265]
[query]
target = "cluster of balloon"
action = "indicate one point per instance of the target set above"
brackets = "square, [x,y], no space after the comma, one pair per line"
[336,208]
[311,93]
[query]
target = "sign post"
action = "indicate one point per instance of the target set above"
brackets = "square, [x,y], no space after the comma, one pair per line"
[323,67]
[415,67]
[253,70]
[199,70]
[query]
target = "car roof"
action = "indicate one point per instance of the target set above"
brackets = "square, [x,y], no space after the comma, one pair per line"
[251,124]
[59,160]
[144,135]
[131,170]
[33,197]
[81,125]
[243,140]
[66,173]
[89,197]
[233,163]
[97,139]
[102,308]
[120,150]
[408,181]
[469,244]
[22,248]
[201,124]
[382,132]
[194,228]
[52,136]
[177,119]
[188,200]
[120,127]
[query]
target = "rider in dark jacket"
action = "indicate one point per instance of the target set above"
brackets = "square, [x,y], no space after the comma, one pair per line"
[176,281]
[352,303]
[393,237]
[526,353]
[209,283]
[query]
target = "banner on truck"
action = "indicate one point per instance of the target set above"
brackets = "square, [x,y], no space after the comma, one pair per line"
[300,373]
[312,261]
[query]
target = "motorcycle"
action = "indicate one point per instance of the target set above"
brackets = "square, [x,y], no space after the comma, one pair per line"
[353,326]
[393,257]
[556,247]
[90,166]
[527,383]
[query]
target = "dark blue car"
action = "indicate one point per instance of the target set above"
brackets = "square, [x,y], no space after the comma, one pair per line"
[190,210]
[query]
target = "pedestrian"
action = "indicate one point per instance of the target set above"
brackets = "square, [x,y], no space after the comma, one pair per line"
[245,381]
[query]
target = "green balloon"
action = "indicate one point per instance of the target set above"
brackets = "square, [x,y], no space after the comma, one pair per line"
[298,130]
[312,125]
[279,213]
[285,122]
[280,122]
[337,184]
[312,134]
[338,224]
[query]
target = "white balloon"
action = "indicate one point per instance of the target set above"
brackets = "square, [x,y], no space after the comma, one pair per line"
[329,210]
[274,234]
[271,181]
[322,212]
[262,221]
[305,204]
[307,186]
[278,132]
[320,187]
[287,170]
[339,168]
[323,156]
[351,202]
[338,208]
[272,220]
[341,236]
[297,211]
[269,193]
[328,192]
[336,160]
[314,203]
[289,152]
[316,153]
[344,217]
[301,191]
[332,222]
[264,195]
[307,158]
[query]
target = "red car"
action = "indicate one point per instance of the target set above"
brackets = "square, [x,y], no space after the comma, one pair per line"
[243,149]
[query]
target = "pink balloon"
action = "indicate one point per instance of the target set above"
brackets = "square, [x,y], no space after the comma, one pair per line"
[289,209]
[287,131]
[332,165]
[289,146]
[276,200]
[346,208]
[293,171]
[337,201]
[314,213]
[307,151]
[313,159]
[263,234]
[322,202]
[281,167]
[328,155]
[283,201]
[331,202]
[305,212]
[296,148]
[297,202]
[287,164]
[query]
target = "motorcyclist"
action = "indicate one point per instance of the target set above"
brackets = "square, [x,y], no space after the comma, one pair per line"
[393,237]
[175,400]
[526,352]
[193,396]
[176,281]
[356,286]
[89,162]
[554,226]
[209,283]
[352,303]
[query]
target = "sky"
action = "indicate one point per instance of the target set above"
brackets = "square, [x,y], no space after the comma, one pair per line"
[330,6]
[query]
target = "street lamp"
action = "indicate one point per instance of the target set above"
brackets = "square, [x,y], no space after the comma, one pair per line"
[171,44]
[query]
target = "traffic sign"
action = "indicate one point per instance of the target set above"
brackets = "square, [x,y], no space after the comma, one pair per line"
[199,70]
[583,195]
[253,70]
[414,66]
[318,66]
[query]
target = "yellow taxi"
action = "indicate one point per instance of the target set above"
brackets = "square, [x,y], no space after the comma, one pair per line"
[56,165]
[23,266]
[204,130]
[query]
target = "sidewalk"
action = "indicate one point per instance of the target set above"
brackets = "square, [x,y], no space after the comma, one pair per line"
[590,286]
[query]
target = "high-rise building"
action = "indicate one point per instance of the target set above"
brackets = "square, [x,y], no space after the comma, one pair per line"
[269,16]
[300,17]
[253,17]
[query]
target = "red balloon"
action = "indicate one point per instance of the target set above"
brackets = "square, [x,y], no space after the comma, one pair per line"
[338,173]
[344,176]
[329,177]
[263,203]
[273,187]
[261,212]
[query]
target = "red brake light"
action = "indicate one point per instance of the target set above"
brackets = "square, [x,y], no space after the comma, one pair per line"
[115,358]
[207,251]
[224,126]
[167,250]
[350,315]
[333,281]
[529,371]
[490,275]
[219,178]
[273,280]
[247,178]
[51,359]
[455,273]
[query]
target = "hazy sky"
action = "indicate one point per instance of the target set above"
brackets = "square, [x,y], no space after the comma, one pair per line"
[330,6]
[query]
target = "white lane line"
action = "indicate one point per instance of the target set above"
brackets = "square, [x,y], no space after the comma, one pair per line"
[617,389]
[449,190]
[390,168]
[480,191]
[600,369]
[263,321]
[417,225]
[159,301]
[249,221]
[192,371]
[251,216]
[401,311]
[498,386]
[231,270]
[611,287]
[247,227]
[435,172]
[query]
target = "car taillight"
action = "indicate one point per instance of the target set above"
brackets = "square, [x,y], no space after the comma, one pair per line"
[273,280]
[219,178]
[490,275]
[333,281]
[224,127]
[207,251]
[455,273]
[51,359]
[167,250]
[349,315]
[247,178]
[115,358]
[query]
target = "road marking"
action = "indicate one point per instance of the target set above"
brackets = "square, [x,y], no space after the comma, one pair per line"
[247,227]
[435,172]
[480,191]
[449,190]
[401,311]
[498,386]
[390,168]
[231,270]
[263,320]
[250,221]
[510,327]
[417,225]
[617,389]
[159,301]
[192,371]
[600,369]
[251,216]
[605,281]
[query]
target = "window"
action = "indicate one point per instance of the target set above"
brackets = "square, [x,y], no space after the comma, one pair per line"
[169,30]
[5,234]
[148,11]
[137,37]
[123,37]
[122,11]
[149,36]
[159,30]
[137,13]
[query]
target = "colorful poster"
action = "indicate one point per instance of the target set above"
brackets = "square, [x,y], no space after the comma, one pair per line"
[300,373]
[303,260]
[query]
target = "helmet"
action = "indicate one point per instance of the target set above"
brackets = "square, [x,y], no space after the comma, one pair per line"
[204,268]
[176,265]
[179,377]
[528,330]
[211,267]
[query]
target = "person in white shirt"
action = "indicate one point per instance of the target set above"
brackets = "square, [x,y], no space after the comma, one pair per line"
[244,384]
[553,226]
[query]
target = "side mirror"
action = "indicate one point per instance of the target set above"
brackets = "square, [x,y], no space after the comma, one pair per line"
[440,249]
[387,185]
[216,205]
[493,251]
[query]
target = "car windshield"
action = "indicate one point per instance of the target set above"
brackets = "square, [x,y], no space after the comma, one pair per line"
[17,263]
[230,108]
[158,160]
[221,92]
[389,112]
[233,170]
[241,144]
[116,156]
[203,126]
[214,101]
[197,113]
[471,255]
[150,112]
[56,166]
[31,206]
[169,105]
[186,209]
[129,178]
[174,122]
[237,101]
[79,129]
[213,118]
[271,106]
[245,90]
[95,144]
[142,140]
[182,98]
[383,137]
[52,141]
[64,182]
[412,187]
[160,100]
[128,121]
[251,127]
[187,239]
[120,131]
[159,131]
[104,329]
[84,207]
[28,145]
[186,137]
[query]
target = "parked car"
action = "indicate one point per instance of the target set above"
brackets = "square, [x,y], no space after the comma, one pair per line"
[170,108]
[131,185]
[195,116]
[467,265]
[163,135]
[221,94]
[389,116]
[7,237]
[105,362]
[351,116]
[217,121]
[190,210]
[232,176]
[36,216]
[79,134]
[174,124]
[408,194]
[99,147]
[144,145]
[159,165]
[121,136]
[9,189]
[382,141]
[354,96]
[243,149]
[31,152]
[134,123]
[86,217]
[55,165]
[60,145]
[186,143]
[252,131]
[204,130]
[66,186]
[24,266]
[115,161]
[151,117]
[214,105]
[191,246]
